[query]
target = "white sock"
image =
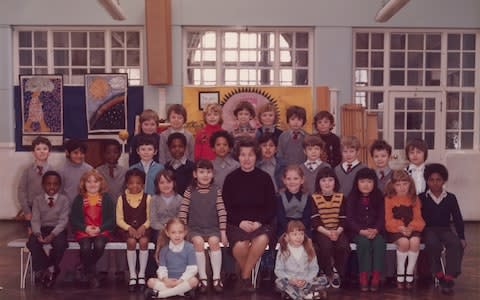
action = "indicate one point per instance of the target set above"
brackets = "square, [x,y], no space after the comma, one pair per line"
[180,290]
[216,261]
[412,261]
[159,286]
[132,262]
[201,263]
[143,258]
[401,258]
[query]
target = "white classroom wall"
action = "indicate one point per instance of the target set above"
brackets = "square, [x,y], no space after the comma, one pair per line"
[333,22]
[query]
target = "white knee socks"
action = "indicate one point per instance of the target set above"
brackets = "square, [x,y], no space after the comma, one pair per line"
[143,258]
[201,263]
[401,258]
[180,290]
[216,261]
[412,261]
[132,261]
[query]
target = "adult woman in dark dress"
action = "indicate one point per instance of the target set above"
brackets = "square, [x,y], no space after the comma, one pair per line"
[249,197]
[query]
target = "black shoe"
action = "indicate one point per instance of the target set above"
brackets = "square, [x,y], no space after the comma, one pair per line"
[132,285]
[150,293]
[190,294]
[202,286]
[50,279]
[40,277]
[141,284]
[247,285]
[218,285]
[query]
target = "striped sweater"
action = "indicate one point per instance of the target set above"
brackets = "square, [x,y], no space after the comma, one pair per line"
[328,212]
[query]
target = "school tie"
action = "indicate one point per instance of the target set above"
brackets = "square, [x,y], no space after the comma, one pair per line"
[311,165]
[40,170]
[349,168]
[110,171]
[50,201]
[382,175]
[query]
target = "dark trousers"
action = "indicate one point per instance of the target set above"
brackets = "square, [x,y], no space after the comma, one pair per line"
[327,250]
[435,239]
[370,253]
[91,249]
[40,260]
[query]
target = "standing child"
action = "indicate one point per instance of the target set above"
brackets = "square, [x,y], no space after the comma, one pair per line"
[113,173]
[416,152]
[244,112]
[92,219]
[212,116]
[293,203]
[30,184]
[328,223]
[177,116]
[148,127]
[347,170]
[268,117]
[380,151]
[177,264]
[290,143]
[404,224]
[313,147]
[49,220]
[223,164]
[324,123]
[147,149]
[366,222]
[133,218]
[268,161]
[180,165]
[296,266]
[438,208]
[204,212]
[74,167]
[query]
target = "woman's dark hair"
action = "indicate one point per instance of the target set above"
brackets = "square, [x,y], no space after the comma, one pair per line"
[436,168]
[246,142]
[324,173]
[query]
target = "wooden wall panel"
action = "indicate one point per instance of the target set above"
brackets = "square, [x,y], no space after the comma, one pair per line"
[158,27]
[323,98]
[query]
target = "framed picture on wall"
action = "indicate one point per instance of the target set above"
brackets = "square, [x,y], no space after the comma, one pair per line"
[205,98]
[106,102]
[41,99]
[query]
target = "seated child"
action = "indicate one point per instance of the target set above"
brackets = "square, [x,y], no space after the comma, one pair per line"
[268,118]
[290,143]
[268,162]
[177,116]
[147,149]
[92,219]
[177,264]
[328,223]
[404,224]
[203,210]
[438,208]
[212,116]
[148,127]
[380,151]
[296,265]
[49,220]
[324,123]
[30,184]
[244,112]
[133,218]
[180,165]
[223,164]
[416,151]
[313,146]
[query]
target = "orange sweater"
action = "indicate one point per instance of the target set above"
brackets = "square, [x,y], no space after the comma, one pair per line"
[396,214]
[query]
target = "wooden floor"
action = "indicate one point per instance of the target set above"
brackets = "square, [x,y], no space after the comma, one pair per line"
[467,286]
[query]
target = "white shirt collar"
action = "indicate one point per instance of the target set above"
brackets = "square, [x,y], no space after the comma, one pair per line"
[440,198]
[54,197]
[353,163]
[176,248]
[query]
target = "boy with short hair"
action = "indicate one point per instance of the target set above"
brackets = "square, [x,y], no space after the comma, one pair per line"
[223,164]
[439,207]
[380,151]
[147,149]
[314,150]
[74,167]
[268,162]
[324,123]
[113,173]
[177,116]
[290,143]
[180,165]
[268,117]
[49,220]
[244,112]
[347,170]
[30,184]
[416,152]
[148,127]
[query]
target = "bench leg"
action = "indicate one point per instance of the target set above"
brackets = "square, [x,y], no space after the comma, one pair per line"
[255,272]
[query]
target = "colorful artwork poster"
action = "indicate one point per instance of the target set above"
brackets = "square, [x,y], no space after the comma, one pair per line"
[106,102]
[42,104]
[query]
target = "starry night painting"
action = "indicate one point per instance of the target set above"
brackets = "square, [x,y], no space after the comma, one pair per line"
[42,104]
[106,102]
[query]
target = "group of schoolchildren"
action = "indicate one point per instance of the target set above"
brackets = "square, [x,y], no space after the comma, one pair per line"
[327,198]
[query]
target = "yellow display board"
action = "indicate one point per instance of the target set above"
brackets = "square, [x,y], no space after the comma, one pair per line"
[281,97]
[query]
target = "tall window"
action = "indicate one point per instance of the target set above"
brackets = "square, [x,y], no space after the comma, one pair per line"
[74,53]
[249,57]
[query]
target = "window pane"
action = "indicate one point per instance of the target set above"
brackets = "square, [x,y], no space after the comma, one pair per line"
[27,71]
[285,58]
[79,57]
[397,41]
[97,58]
[133,58]
[453,41]
[468,60]
[230,40]
[469,42]
[301,77]
[40,71]
[231,56]
[430,103]
[397,60]
[430,120]
[25,38]
[376,101]
[60,57]
[118,39]
[453,60]
[468,78]
[434,42]
[453,101]
[467,101]
[430,139]
[79,39]
[432,60]
[467,140]
[361,77]
[452,120]
[453,78]
[40,39]
[133,39]
[97,39]
[377,40]
[452,140]
[377,77]
[414,120]
[249,40]
[118,58]
[361,59]
[60,39]
[301,59]
[209,39]
[415,41]
[399,120]
[467,120]
[97,70]
[40,57]
[193,39]
[361,41]
[25,57]
[432,78]
[397,78]
[399,103]
[415,59]
[414,78]
[377,59]
[301,39]
[398,140]
[414,103]
[286,76]
[230,76]
[63,71]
